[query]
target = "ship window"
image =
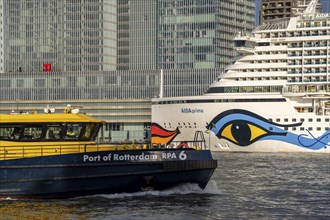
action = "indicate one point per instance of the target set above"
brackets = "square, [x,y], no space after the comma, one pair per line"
[286,120]
[302,128]
[294,120]
[302,119]
[310,128]
[327,128]
[278,120]
[327,120]
[318,129]
[310,120]
[294,128]
[318,120]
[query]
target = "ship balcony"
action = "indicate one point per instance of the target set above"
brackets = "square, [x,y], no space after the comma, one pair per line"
[306,91]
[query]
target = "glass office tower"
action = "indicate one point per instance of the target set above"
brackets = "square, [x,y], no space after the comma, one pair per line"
[198,34]
[107,55]
[195,41]
[137,32]
[59,36]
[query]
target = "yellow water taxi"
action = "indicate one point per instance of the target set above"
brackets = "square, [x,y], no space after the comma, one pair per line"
[55,155]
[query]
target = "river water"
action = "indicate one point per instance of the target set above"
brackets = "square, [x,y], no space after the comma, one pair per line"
[244,186]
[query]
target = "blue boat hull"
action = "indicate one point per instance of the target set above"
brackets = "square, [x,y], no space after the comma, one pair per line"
[103,173]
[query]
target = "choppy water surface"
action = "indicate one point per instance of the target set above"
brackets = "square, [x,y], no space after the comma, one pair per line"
[245,186]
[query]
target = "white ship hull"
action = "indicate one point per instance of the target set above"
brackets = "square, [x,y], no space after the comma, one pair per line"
[292,131]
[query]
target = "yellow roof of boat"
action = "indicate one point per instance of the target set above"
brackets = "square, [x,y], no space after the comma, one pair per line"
[40,118]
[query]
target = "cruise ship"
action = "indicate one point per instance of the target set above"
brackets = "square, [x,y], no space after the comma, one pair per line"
[274,97]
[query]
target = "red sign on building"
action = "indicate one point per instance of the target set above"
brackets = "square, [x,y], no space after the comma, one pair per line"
[47,67]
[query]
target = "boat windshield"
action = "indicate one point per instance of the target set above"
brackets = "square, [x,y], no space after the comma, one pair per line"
[49,131]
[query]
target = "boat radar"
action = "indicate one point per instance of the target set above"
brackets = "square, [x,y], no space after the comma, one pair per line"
[49,110]
[72,109]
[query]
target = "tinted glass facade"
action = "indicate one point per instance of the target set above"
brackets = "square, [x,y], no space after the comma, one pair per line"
[198,34]
[137,35]
[66,35]
[98,51]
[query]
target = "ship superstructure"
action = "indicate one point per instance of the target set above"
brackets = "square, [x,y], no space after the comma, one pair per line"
[290,58]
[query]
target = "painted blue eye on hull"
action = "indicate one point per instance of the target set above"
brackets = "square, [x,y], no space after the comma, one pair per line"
[243,128]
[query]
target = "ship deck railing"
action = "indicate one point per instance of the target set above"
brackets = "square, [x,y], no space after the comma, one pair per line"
[196,145]
[290,90]
[27,151]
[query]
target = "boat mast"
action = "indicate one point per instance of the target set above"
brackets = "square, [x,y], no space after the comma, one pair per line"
[161,87]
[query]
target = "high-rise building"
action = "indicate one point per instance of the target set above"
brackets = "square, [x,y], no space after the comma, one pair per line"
[59,36]
[106,35]
[176,35]
[107,55]
[198,34]
[137,34]
[272,10]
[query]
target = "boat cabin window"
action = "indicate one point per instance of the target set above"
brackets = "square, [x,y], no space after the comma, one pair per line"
[90,132]
[53,132]
[10,132]
[49,132]
[73,131]
[31,133]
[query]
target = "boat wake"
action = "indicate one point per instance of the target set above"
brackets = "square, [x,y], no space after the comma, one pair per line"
[210,189]
[184,189]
